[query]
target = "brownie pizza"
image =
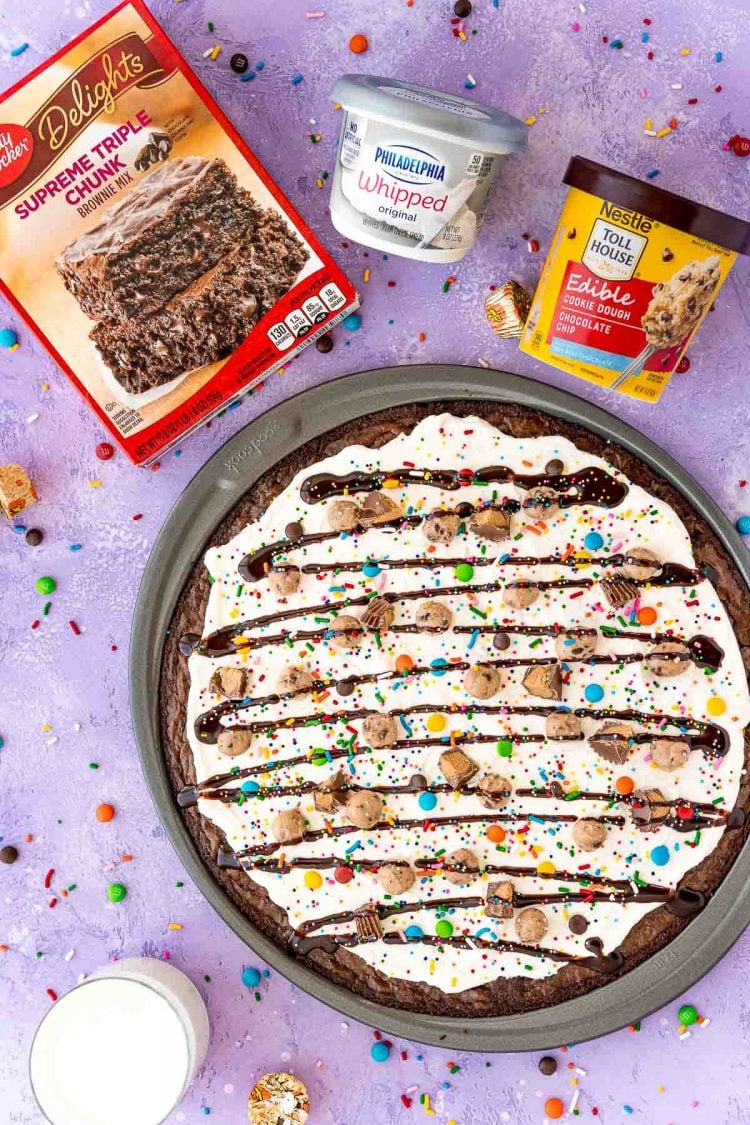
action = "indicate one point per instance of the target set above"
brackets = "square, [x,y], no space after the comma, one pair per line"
[455,708]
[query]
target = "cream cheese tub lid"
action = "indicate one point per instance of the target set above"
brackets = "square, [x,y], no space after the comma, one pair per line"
[431,111]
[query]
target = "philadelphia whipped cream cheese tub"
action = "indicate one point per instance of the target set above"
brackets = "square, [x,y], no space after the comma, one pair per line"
[414,166]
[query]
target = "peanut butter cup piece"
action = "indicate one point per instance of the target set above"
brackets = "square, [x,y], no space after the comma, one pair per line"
[379,731]
[575,646]
[343,515]
[346,631]
[295,678]
[288,827]
[441,526]
[589,834]
[499,899]
[367,922]
[232,683]
[467,861]
[520,595]
[396,878]
[491,523]
[619,590]
[364,808]
[493,791]
[330,795]
[544,681]
[648,807]
[456,767]
[433,617]
[482,681]
[541,502]
[562,724]
[613,742]
[379,508]
[531,925]
[669,754]
[284,580]
[234,741]
[378,615]
[668,658]
[641,564]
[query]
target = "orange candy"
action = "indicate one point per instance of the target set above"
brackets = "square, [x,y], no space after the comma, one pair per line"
[105,813]
[358,44]
[647,615]
[404,663]
[624,786]
[554,1108]
[496,834]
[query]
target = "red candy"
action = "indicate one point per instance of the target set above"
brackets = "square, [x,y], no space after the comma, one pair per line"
[104,451]
[343,874]
[741,146]
[684,813]
[683,365]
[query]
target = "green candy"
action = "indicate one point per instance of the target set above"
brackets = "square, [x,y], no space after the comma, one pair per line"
[45,585]
[687,1015]
[444,928]
[505,748]
[116,892]
[464,572]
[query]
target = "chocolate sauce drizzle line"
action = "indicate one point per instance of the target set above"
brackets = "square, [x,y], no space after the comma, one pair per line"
[434,562]
[599,962]
[219,643]
[434,822]
[592,484]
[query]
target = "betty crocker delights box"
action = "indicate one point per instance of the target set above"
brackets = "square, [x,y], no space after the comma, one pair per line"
[144,242]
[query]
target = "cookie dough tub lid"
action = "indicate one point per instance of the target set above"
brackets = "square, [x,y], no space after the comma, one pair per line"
[431,112]
[656,203]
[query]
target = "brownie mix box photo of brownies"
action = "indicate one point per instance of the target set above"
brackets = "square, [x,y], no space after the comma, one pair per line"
[144,242]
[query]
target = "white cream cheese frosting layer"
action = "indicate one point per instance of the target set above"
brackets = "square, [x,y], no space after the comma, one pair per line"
[659,857]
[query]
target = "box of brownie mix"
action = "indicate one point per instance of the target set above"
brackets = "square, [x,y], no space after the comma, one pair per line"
[144,242]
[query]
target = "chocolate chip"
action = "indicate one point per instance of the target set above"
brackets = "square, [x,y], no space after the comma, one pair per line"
[464,510]
[577,924]
[324,343]
[548,1066]
[666,255]
[418,781]
[239,63]
[554,467]
[572,232]
[344,687]
[8,854]
[462,8]
[293,531]
[187,643]
[501,641]
[34,536]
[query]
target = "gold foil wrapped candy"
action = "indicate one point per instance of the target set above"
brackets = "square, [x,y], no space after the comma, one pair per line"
[506,309]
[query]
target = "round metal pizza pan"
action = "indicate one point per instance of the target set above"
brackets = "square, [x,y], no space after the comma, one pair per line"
[212,493]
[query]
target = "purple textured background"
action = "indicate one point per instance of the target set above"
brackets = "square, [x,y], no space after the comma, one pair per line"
[525,57]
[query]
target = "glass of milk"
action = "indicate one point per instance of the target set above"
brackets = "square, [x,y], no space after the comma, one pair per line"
[120,1048]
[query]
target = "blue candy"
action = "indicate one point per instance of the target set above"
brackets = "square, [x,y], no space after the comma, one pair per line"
[352,322]
[251,977]
[380,1051]
[660,855]
[594,693]
[427,801]
[250,786]
[593,541]
[371,570]
[414,932]
[8,338]
[743,525]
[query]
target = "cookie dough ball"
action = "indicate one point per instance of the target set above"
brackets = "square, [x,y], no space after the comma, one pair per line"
[234,741]
[493,791]
[668,658]
[364,809]
[589,834]
[232,683]
[343,515]
[466,858]
[379,731]
[574,646]
[295,678]
[396,878]
[520,595]
[541,503]
[531,925]
[441,526]
[562,724]
[641,564]
[288,827]
[347,632]
[669,754]
[284,580]
[433,617]
[482,681]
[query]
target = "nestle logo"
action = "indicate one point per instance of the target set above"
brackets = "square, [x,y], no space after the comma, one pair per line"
[255,446]
[630,219]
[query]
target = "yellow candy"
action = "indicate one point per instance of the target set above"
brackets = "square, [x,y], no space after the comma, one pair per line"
[546,868]
[436,722]
[716,705]
[313,880]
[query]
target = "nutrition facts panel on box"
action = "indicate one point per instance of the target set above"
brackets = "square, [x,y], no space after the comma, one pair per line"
[299,321]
